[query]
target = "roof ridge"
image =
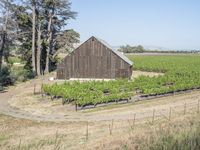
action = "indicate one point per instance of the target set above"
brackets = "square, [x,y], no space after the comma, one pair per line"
[122,56]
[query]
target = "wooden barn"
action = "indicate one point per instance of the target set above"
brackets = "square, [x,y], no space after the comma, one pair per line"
[95,59]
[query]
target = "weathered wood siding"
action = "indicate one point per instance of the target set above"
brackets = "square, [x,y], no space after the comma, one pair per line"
[93,60]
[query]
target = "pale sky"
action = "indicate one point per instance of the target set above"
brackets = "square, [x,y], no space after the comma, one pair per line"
[173,24]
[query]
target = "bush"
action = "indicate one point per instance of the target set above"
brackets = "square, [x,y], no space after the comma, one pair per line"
[6,77]
[9,75]
[20,74]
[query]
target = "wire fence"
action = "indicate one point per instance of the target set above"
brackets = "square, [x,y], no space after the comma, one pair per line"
[149,116]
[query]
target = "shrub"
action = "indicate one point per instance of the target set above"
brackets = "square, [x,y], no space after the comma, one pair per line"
[19,73]
[6,77]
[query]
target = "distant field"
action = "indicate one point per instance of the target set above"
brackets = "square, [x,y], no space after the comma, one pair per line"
[181,72]
[161,54]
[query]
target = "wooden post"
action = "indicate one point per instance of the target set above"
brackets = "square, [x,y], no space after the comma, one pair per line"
[153,117]
[20,141]
[134,121]
[111,127]
[134,118]
[87,132]
[34,89]
[76,107]
[170,113]
[41,91]
[198,106]
[185,107]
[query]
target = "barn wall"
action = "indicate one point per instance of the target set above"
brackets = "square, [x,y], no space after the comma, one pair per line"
[93,60]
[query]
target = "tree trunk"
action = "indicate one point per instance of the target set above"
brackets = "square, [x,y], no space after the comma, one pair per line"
[39,50]
[49,47]
[33,37]
[3,40]
[2,48]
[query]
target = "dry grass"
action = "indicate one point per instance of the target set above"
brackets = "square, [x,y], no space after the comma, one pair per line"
[25,134]
[180,133]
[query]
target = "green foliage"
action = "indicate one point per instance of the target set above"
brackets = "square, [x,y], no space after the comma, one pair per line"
[13,60]
[94,92]
[132,49]
[10,74]
[5,77]
[181,73]
[19,73]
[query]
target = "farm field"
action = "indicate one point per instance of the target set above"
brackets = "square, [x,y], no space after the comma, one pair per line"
[71,132]
[90,75]
[181,72]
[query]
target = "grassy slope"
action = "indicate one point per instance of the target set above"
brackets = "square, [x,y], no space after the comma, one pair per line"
[182,132]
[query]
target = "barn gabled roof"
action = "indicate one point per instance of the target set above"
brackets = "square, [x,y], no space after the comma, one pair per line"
[115,51]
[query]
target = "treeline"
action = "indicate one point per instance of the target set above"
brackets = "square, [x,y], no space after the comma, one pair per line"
[36,30]
[141,49]
[132,49]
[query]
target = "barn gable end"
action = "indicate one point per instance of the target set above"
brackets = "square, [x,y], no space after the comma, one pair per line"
[94,59]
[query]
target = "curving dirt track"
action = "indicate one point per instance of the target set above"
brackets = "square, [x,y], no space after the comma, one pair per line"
[41,110]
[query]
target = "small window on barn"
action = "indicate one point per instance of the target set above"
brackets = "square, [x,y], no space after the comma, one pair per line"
[93,39]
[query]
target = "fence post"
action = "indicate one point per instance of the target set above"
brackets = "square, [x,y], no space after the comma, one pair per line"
[76,107]
[198,106]
[42,90]
[87,134]
[111,127]
[134,121]
[19,146]
[134,118]
[170,113]
[153,117]
[34,89]
[185,107]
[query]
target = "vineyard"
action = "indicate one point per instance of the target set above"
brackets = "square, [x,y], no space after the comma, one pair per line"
[91,93]
[180,73]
